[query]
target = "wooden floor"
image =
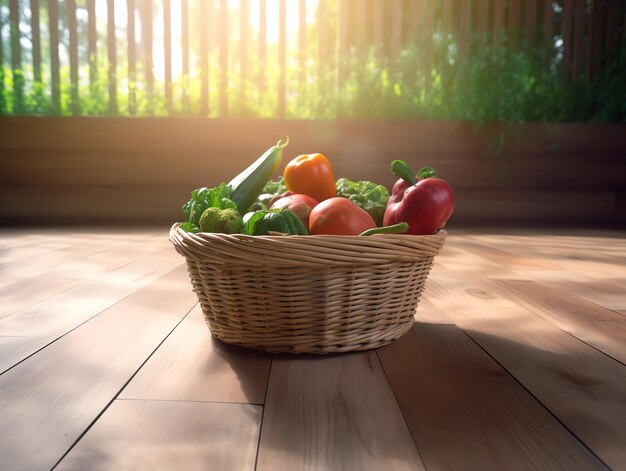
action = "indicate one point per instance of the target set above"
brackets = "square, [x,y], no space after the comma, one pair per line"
[516,361]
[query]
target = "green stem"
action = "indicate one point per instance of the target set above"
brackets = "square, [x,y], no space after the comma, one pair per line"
[402,170]
[426,172]
[399,228]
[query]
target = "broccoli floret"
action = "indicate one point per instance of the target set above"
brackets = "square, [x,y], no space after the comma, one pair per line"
[225,221]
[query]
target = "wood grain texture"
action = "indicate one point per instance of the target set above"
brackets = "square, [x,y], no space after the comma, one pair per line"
[44,322]
[191,365]
[593,324]
[465,412]
[51,398]
[159,435]
[336,412]
[584,388]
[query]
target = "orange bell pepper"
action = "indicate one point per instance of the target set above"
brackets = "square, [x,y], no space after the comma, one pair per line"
[312,175]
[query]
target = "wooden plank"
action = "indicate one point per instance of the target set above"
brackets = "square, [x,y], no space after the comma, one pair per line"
[203,31]
[567,17]
[282,59]
[465,27]
[16,57]
[72,27]
[192,365]
[36,39]
[263,40]
[593,324]
[336,412]
[223,45]
[55,79]
[74,266]
[530,22]
[578,48]
[379,27]
[427,313]
[448,17]
[146,33]
[167,55]
[343,45]
[244,25]
[396,31]
[197,436]
[548,28]
[80,374]
[184,32]
[514,22]
[92,46]
[498,22]
[45,322]
[131,44]
[112,56]
[596,37]
[482,24]
[583,388]
[440,377]
[302,52]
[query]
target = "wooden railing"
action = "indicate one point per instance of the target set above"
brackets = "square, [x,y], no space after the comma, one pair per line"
[575,34]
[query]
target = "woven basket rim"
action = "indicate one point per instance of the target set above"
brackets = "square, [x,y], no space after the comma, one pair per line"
[440,234]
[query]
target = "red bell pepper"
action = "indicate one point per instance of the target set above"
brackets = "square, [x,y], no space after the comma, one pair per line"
[424,202]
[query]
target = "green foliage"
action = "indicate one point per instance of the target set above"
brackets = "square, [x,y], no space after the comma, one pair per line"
[491,84]
[204,198]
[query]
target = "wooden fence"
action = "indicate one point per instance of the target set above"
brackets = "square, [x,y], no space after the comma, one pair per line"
[577,34]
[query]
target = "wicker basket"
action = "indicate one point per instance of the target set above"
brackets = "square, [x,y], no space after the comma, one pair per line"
[313,294]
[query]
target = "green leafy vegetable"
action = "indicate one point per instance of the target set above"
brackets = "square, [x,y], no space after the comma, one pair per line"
[189,227]
[271,189]
[283,220]
[204,198]
[367,195]
[224,221]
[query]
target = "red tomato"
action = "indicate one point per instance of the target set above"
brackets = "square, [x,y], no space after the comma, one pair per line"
[339,216]
[300,205]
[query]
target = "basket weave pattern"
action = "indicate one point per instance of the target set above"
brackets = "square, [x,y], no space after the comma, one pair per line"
[313,294]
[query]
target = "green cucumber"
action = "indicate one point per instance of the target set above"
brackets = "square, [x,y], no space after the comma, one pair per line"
[247,186]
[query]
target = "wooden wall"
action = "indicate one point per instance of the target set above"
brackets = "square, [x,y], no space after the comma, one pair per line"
[135,171]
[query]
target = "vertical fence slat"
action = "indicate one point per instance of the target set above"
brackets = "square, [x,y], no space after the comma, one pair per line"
[513,22]
[342,30]
[73,52]
[361,26]
[167,54]
[302,52]
[263,40]
[498,21]
[596,37]
[448,16]
[112,55]
[36,39]
[612,22]
[396,32]
[184,32]
[465,25]
[132,59]
[282,57]
[55,80]
[530,22]
[203,29]
[223,35]
[244,19]
[482,24]
[322,48]
[578,38]
[16,56]
[379,23]
[146,33]
[91,43]
[566,32]
[548,28]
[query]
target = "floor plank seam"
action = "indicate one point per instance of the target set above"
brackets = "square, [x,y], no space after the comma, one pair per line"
[72,329]
[567,429]
[189,400]
[382,366]
[113,399]
[267,388]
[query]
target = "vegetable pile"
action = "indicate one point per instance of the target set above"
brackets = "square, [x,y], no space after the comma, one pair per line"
[307,200]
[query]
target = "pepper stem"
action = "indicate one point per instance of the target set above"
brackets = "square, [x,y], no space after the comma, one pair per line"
[427,172]
[399,228]
[282,144]
[402,170]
